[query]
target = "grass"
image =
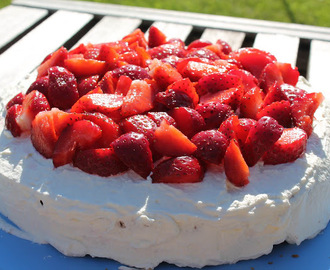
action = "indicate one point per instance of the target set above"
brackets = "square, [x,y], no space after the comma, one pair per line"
[312,12]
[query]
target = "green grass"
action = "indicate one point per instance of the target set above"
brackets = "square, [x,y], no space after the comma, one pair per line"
[312,12]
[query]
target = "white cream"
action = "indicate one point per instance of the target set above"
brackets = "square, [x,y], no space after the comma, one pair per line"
[141,224]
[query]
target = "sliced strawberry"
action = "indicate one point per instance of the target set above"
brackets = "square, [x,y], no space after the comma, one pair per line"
[169,141]
[163,73]
[290,146]
[183,169]
[18,99]
[139,99]
[132,71]
[100,161]
[290,74]
[80,49]
[41,84]
[214,113]
[85,85]
[243,128]
[57,58]
[198,43]
[81,135]
[109,55]
[156,37]
[291,92]
[62,90]
[134,151]
[274,94]
[140,124]
[11,122]
[158,117]
[253,60]
[211,146]
[251,102]
[248,80]
[229,126]
[165,50]
[236,169]
[260,139]
[82,67]
[108,104]
[225,47]
[217,82]
[123,85]
[92,52]
[270,74]
[280,111]
[203,53]
[188,120]
[108,83]
[110,129]
[137,36]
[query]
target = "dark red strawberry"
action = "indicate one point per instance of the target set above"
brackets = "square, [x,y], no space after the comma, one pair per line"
[291,92]
[108,83]
[56,58]
[132,71]
[280,111]
[18,99]
[41,84]
[87,84]
[290,146]
[271,74]
[203,53]
[225,47]
[100,161]
[188,120]
[214,113]
[134,151]
[158,117]
[248,80]
[260,139]
[140,124]
[11,119]
[165,50]
[236,169]
[62,90]
[156,37]
[211,146]
[217,82]
[169,141]
[251,102]
[80,135]
[183,169]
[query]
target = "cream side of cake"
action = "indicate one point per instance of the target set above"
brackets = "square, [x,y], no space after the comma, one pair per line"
[142,224]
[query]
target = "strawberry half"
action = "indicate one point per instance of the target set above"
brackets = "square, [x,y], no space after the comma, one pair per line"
[156,37]
[11,120]
[134,151]
[183,169]
[251,102]
[100,161]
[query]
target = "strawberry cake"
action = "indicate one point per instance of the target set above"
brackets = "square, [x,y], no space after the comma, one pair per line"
[147,150]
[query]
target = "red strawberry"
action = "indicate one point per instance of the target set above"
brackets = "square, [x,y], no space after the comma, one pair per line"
[248,80]
[165,50]
[11,119]
[225,47]
[139,98]
[140,124]
[81,135]
[243,128]
[260,139]
[62,90]
[290,146]
[274,94]
[109,55]
[134,151]
[203,53]
[236,169]
[87,84]
[18,99]
[214,113]
[280,111]
[108,83]
[156,37]
[187,120]
[110,129]
[132,71]
[251,102]
[137,36]
[198,43]
[271,74]
[41,84]
[92,52]
[163,73]
[291,92]
[82,67]
[290,75]
[100,161]
[253,59]
[123,85]
[183,169]
[169,141]
[158,117]
[211,146]
[229,127]
[217,82]
[56,58]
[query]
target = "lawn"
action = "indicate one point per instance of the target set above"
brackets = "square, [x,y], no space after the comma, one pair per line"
[312,12]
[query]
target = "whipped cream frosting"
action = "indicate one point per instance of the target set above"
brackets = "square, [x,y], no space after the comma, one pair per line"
[137,223]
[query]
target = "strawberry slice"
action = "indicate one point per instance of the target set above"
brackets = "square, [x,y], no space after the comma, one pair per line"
[137,36]
[211,146]
[251,102]
[11,120]
[158,117]
[18,99]
[134,151]
[290,74]
[41,84]
[156,37]
[169,141]
[80,135]
[274,94]
[107,83]
[134,72]
[289,147]
[260,139]
[100,161]
[56,58]
[123,85]
[82,67]
[229,127]
[198,43]
[280,111]
[139,98]
[166,50]
[85,85]
[214,113]
[183,169]
[62,90]
[248,80]
[271,74]
[188,120]
[236,169]
[203,53]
